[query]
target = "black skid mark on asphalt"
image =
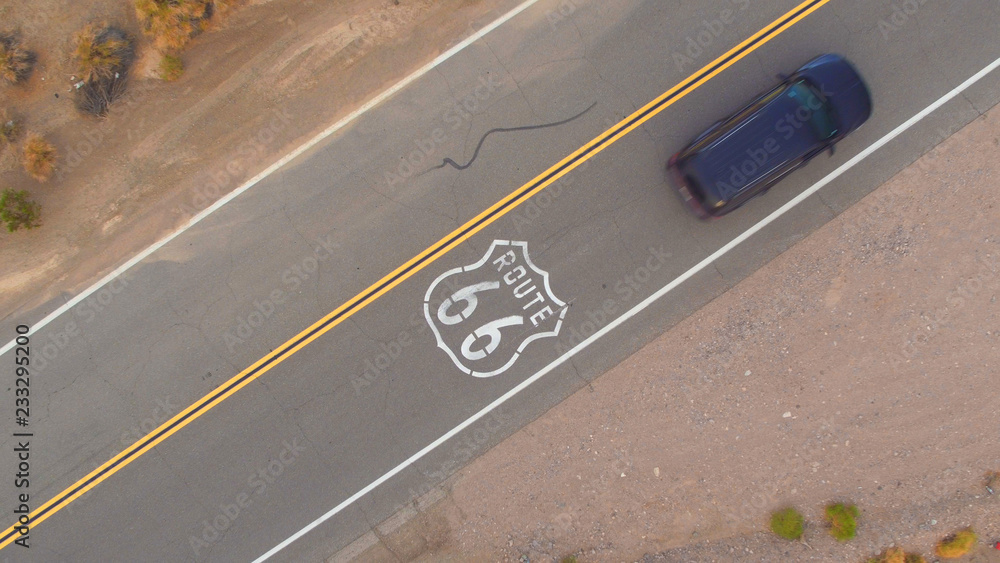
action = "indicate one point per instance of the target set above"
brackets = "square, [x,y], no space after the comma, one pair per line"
[457,166]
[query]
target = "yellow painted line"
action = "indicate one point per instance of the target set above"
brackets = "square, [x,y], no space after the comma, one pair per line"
[414,265]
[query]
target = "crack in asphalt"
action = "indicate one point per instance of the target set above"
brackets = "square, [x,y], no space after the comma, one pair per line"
[475,154]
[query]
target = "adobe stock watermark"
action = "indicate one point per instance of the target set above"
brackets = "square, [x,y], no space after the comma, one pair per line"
[932,322]
[118,116]
[213,528]
[38,19]
[526,215]
[901,14]
[368,27]
[292,278]
[795,462]
[164,409]
[810,112]
[58,339]
[562,11]
[226,177]
[161,412]
[378,365]
[462,451]
[626,291]
[709,30]
[457,114]
[391,350]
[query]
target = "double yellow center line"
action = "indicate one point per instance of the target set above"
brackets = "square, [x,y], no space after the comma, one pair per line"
[414,265]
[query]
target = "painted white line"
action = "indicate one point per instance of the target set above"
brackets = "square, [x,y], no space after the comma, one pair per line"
[639,307]
[277,165]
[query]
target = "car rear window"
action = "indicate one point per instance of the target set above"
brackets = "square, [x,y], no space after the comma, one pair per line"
[706,199]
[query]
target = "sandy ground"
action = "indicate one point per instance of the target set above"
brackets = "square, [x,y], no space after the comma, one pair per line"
[860,366]
[265,78]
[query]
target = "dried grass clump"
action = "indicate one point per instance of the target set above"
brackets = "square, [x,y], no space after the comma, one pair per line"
[16,62]
[101,51]
[10,129]
[172,23]
[897,555]
[39,158]
[103,54]
[957,544]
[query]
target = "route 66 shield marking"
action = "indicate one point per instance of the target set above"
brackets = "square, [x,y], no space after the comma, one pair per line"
[493,309]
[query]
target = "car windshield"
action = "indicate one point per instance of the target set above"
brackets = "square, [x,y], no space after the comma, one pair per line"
[814,109]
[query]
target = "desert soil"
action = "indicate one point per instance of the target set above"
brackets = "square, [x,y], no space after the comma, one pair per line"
[859,366]
[263,79]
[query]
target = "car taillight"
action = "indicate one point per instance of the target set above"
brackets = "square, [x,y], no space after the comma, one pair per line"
[685,192]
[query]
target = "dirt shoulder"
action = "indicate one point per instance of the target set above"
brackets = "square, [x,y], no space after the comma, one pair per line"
[267,77]
[860,365]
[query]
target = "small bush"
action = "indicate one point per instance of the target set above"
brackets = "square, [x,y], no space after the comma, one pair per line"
[104,55]
[788,523]
[842,519]
[172,23]
[568,559]
[17,211]
[16,62]
[39,158]
[171,67]
[957,544]
[896,555]
[10,129]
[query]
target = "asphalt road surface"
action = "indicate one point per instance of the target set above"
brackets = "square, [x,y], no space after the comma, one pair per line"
[422,357]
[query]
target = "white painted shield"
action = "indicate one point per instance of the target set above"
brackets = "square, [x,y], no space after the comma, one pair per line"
[484,315]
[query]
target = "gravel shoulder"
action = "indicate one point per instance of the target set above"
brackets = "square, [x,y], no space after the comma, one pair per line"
[860,365]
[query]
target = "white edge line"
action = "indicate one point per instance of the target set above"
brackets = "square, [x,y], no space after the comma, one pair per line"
[277,165]
[639,307]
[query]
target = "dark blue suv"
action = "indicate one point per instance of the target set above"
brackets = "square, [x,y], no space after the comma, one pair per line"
[745,154]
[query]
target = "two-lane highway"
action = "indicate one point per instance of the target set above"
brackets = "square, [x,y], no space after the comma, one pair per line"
[491,275]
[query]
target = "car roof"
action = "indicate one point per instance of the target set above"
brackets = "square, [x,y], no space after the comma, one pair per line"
[712,161]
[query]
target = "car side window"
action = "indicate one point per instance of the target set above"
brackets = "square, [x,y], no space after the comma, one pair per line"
[754,106]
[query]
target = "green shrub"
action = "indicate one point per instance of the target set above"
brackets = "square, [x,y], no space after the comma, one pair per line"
[957,544]
[15,61]
[171,67]
[788,523]
[842,519]
[17,211]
